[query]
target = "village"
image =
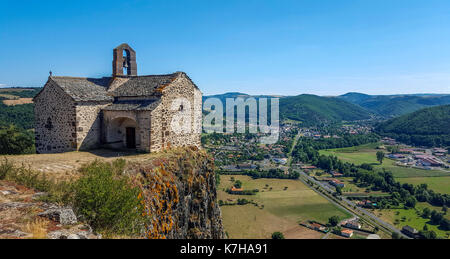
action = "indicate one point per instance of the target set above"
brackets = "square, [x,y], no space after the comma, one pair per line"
[239,152]
[418,157]
[242,155]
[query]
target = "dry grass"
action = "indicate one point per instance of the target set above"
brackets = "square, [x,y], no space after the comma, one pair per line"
[283,209]
[18,101]
[65,165]
[37,228]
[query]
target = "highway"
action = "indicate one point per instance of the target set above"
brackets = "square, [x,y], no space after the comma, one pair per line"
[357,211]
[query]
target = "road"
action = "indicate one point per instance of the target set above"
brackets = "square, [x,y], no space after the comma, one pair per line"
[328,198]
[360,212]
[292,149]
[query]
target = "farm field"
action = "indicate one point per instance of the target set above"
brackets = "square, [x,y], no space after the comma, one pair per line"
[438,184]
[350,186]
[279,209]
[19,101]
[360,155]
[411,217]
[438,181]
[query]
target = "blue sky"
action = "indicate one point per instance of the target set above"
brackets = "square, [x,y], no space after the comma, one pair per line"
[286,47]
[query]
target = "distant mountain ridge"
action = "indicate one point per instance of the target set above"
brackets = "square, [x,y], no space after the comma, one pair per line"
[313,110]
[223,97]
[426,127]
[310,109]
[396,105]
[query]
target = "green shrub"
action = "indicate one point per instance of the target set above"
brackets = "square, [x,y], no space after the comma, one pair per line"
[57,192]
[30,179]
[103,196]
[106,200]
[277,235]
[14,140]
[6,168]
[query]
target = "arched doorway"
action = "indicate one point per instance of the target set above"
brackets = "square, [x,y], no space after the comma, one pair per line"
[123,132]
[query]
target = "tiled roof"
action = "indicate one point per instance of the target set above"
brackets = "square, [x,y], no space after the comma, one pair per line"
[84,89]
[143,85]
[106,88]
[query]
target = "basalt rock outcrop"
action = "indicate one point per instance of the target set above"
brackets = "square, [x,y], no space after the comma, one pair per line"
[180,196]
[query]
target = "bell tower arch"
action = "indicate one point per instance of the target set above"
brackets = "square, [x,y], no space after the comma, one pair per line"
[124,61]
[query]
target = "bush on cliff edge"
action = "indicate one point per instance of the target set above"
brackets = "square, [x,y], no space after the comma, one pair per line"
[107,200]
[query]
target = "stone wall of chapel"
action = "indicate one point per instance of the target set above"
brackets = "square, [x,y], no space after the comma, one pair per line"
[63,125]
[162,134]
[115,122]
[55,121]
[89,126]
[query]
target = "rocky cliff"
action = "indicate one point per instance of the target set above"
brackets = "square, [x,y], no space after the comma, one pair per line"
[179,195]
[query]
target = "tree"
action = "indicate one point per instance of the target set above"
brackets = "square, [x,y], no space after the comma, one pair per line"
[436,217]
[380,157]
[333,221]
[411,202]
[337,230]
[426,213]
[15,141]
[238,184]
[445,224]
[277,235]
[338,190]
[395,235]
[425,234]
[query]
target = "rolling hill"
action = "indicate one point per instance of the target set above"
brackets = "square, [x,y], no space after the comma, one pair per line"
[426,127]
[223,97]
[20,115]
[395,105]
[310,109]
[313,110]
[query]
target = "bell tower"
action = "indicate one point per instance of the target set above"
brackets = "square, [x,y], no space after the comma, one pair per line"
[124,62]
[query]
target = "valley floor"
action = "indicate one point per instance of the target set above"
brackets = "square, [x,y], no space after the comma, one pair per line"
[412,217]
[280,205]
[437,180]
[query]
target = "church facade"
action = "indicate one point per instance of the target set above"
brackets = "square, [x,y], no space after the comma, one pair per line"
[124,111]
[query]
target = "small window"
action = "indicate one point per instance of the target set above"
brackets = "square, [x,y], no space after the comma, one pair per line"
[49,124]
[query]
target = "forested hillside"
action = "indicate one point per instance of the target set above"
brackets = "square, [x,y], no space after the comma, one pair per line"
[395,105]
[427,127]
[16,122]
[19,115]
[313,110]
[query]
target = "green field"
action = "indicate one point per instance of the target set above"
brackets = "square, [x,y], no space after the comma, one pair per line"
[438,184]
[411,217]
[278,209]
[437,180]
[367,154]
